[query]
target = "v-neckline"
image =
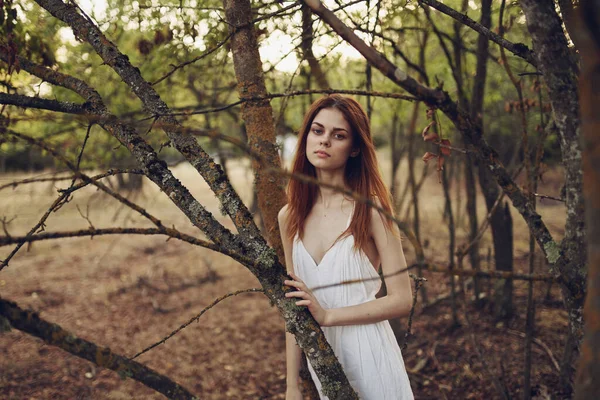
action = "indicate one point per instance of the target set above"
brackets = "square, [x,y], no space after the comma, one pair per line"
[324,255]
[338,239]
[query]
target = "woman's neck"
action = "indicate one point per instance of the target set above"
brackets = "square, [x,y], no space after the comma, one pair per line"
[328,196]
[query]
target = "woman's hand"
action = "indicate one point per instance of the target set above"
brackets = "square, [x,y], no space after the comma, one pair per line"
[308,299]
[293,393]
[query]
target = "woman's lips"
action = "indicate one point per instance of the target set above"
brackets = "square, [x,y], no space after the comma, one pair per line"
[322,154]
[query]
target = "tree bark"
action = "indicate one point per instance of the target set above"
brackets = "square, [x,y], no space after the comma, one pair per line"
[257,115]
[560,70]
[587,383]
[503,288]
[452,245]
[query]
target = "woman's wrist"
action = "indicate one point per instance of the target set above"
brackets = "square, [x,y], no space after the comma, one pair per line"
[292,384]
[329,318]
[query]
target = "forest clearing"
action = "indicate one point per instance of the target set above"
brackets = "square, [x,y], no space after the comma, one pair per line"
[127,293]
[152,202]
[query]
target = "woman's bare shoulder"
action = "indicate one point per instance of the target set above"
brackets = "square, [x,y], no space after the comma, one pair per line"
[375,213]
[282,216]
[379,221]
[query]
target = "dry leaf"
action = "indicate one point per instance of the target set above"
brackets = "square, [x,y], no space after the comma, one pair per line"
[428,156]
[426,130]
[431,136]
[445,150]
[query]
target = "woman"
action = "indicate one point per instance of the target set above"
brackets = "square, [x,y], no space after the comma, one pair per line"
[328,238]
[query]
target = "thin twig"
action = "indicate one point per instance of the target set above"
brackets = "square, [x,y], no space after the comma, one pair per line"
[196,318]
[464,249]
[291,94]
[543,196]
[419,281]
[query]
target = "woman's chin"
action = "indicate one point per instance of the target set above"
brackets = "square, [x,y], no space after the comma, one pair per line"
[327,165]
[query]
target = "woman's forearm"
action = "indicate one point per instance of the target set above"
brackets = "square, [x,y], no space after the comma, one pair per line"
[293,353]
[373,311]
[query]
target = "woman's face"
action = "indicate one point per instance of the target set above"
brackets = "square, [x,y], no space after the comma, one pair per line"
[329,140]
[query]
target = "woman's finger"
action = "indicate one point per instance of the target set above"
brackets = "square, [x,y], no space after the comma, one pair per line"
[296,294]
[295,277]
[303,303]
[299,285]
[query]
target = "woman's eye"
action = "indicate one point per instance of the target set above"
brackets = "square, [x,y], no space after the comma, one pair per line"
[317,131]
[340,137]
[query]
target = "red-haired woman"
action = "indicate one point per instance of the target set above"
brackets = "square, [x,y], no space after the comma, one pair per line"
[329,238]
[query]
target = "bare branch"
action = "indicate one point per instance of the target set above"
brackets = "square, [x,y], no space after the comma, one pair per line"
[154,168]
[86,178]
[222,42]
[491,274]
[53,334]
[110,172]
[185,144]
[300,93]
[40,225]
[518,49]
[42,104]
[193,60]
[398,52]
[91,231]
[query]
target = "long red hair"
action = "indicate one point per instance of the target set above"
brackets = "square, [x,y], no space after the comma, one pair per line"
[361,175]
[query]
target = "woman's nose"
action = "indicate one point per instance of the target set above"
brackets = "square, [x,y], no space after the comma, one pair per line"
[325,140]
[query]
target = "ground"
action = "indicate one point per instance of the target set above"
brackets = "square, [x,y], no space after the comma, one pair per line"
[127,292]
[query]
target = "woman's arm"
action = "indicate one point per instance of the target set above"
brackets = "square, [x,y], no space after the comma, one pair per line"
[292,350]
[398,301]
[293,361]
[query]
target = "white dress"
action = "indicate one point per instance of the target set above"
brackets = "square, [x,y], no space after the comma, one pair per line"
[369,353]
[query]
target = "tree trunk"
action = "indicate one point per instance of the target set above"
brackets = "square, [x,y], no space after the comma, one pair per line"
[452,245]
[257,115]
[503,288]
[501,221]
[588,384]
[560,70]
[258,118]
